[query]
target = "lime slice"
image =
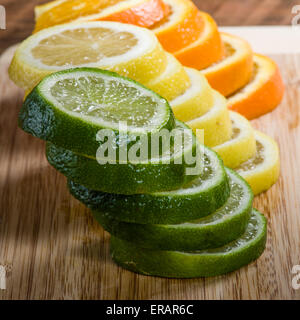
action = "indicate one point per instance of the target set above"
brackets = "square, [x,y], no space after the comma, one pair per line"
[69,107]
[224,225]
[171,169]
[123,48]
[196,199]
[204,263]
[241,146]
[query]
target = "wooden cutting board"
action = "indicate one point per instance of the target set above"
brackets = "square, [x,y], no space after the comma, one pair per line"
[53,249]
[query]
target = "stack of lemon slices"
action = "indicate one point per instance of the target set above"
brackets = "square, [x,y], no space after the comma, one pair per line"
[172,212]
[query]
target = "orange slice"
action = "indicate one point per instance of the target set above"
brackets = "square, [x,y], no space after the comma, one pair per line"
[235,70]
[143,13]
[40,9]
[263,93]
[182,27]
[205,50]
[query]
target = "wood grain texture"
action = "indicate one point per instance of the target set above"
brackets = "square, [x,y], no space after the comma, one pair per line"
[20,18]
[53,249]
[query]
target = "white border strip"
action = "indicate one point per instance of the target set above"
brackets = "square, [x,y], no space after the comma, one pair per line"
[269,39]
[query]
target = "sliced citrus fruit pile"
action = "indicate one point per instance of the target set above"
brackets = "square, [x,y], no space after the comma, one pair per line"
[172,207]
[235,69]
[263,92]
[143,13]
[241,146]
[262,170]
[123,48]
[160,196]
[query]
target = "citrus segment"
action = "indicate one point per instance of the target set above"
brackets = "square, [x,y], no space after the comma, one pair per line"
[262,170]
[198,263]
[242,144]
[215,123]
[235,69]
[143,13]
[263,93]
[196,100]
[172,82]
[206,49]
[182,27]
[224,225]
[196,199]
[128,50]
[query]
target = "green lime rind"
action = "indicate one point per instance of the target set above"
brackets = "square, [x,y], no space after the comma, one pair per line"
[224,225]
[47,115]
[197,199]
[203,263]
[148,176]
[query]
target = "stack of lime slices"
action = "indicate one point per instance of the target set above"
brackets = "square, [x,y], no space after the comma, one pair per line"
[176,212]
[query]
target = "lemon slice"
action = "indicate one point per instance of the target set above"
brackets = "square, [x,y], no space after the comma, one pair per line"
[241,146]
[196,100]
[262,170]
[128,50]
[172,82]
[235,70]
[215,123]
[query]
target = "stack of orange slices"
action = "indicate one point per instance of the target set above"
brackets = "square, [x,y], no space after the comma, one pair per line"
[193,66]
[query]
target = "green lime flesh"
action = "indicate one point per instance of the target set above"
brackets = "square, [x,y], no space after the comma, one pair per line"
[224,225]
[200,263]
[68,108]
[194,200]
